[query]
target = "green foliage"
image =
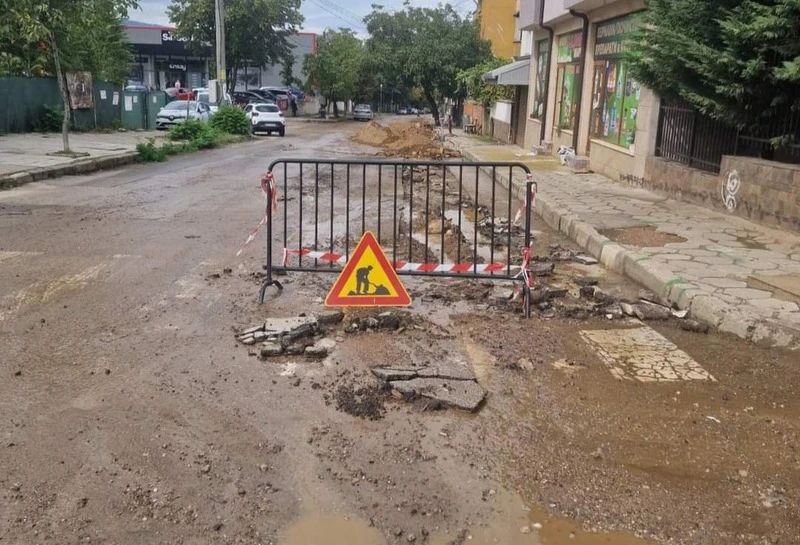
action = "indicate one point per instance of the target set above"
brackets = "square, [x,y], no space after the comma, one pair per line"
[49,119]
[188,137]
[287,72]
[425,47]
[231,120]
[88,34]
[256,31]
[735,60]
[337,66]
[471,84]
[189,130]
[148,152]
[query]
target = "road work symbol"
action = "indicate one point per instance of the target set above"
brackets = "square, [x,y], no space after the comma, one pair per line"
[368,279]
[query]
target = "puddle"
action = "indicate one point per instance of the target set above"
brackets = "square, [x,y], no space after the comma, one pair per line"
[332,530]
[557,531]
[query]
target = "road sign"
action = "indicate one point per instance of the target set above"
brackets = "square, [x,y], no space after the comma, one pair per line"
[368,280]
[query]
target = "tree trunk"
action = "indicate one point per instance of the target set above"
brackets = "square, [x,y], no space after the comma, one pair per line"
[335,109]
[64,94]
[434,108]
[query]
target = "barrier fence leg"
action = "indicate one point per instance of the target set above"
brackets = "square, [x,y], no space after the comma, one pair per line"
[269,280]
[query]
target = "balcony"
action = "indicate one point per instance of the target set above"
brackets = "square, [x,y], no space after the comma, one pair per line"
[586,5]
[530,12]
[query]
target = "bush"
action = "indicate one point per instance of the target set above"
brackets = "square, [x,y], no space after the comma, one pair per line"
[149,152]
[231,120]
[187,130]
[50,119]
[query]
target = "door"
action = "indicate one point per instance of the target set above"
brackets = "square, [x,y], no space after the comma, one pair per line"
[521,107]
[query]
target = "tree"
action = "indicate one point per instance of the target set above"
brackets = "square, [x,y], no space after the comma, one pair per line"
[287,71]
[336,67]
[471,83]
[425,47]
[42,37]
[735,60]
[256,31]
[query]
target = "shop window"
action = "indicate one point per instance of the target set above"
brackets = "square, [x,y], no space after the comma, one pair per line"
[567,77]
[542,68]
[615,95]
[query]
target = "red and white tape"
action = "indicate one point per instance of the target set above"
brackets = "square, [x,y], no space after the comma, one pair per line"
[523,204]
[270,199]
[339,259]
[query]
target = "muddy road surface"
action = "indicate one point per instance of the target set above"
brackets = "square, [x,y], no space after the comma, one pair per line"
[133,413]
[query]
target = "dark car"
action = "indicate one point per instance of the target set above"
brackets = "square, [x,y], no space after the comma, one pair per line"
[243,98]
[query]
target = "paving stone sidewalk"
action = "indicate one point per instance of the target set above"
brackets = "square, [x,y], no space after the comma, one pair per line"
[738,276]
[28,157]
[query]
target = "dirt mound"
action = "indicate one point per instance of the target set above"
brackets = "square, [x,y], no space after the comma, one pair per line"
[405,139]
[365,401]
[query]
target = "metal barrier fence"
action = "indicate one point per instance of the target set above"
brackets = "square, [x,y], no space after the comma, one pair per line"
[432,218]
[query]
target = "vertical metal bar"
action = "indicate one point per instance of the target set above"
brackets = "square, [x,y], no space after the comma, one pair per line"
[300,214]
[460,209]
[427,213]
[380,198]
[364,198]
[528,242]
[347,217]
[444,194]
[394,219]
[330,232]
[510,198]
[316,211]
[411,214]
[268,204]
[475,226]
[494,196]
[285,207]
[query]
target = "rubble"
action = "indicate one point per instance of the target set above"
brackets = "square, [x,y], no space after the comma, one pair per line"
[461,394]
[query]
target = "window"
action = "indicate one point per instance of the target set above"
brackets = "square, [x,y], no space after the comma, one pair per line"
[615,95]
[268,109]
[542,68]
[567,76]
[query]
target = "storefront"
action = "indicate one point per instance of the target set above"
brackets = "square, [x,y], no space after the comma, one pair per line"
[161,59]
[615,94]
[568,59]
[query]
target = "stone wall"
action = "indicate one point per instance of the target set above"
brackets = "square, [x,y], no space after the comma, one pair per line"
[762,191]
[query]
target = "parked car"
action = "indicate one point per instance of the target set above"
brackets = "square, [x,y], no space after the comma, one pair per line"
[180,93]
[203,97]
[362,112]
[265,117]
[279,92]
[136,87]
[176,112]
[266,96]
[243,98]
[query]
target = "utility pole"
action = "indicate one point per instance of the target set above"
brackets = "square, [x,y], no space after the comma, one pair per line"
[219,13]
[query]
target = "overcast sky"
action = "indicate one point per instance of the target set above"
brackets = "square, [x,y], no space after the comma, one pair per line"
[319,14]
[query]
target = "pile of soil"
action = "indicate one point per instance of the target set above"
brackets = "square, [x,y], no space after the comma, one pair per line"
[404,139]
[364,402]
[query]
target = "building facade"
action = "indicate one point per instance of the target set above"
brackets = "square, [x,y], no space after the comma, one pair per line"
[498,24]
[581,94]
[253,77]
[161,59]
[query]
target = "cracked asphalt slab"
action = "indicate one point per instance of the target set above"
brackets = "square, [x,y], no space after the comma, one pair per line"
[132,414]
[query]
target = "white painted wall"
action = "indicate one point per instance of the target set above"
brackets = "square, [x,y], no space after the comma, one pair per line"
[501,111]
[526,47]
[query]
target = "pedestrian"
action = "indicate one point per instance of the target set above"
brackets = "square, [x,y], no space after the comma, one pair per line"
[294,106]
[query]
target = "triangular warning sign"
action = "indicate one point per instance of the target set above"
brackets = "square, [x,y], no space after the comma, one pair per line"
[368,280]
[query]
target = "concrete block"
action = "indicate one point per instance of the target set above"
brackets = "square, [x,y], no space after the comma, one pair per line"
[596,244]
[583,233]
[613,257]
[737,323]
[682,294]
[708,309]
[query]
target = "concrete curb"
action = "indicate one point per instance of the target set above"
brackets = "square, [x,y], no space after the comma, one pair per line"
[80,166]
[705,308]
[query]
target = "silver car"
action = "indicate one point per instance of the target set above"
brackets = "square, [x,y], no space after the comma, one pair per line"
[362,112]
[178,111]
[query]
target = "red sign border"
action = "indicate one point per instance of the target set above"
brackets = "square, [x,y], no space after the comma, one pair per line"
[335,299]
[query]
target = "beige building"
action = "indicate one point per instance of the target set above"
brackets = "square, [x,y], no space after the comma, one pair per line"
[580,94]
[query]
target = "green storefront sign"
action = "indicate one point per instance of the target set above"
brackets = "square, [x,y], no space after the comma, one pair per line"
[615,95]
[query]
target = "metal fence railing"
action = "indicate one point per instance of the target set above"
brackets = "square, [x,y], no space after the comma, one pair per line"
[432,218]
[689,137]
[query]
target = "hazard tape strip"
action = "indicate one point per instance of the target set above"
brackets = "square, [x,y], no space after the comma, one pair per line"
[267,182]
[339,259]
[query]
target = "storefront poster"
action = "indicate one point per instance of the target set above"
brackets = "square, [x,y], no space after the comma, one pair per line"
[569,47]
[612,35]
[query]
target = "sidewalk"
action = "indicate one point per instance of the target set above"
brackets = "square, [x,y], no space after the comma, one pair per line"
[26,158]
[737,276]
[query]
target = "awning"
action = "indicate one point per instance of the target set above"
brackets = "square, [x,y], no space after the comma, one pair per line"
[516,73]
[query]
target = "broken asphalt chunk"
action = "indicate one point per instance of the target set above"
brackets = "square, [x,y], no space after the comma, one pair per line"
[461,394]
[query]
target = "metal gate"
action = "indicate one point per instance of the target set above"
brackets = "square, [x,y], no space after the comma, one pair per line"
[432,218]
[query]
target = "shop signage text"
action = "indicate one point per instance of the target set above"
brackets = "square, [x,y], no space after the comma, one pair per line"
[167,36]
[612,36]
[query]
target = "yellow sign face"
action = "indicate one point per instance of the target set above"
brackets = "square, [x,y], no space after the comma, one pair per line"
[368,280]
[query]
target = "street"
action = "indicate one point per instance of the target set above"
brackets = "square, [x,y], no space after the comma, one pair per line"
[131,414]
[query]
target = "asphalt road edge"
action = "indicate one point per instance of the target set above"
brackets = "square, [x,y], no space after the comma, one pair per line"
[718,314]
